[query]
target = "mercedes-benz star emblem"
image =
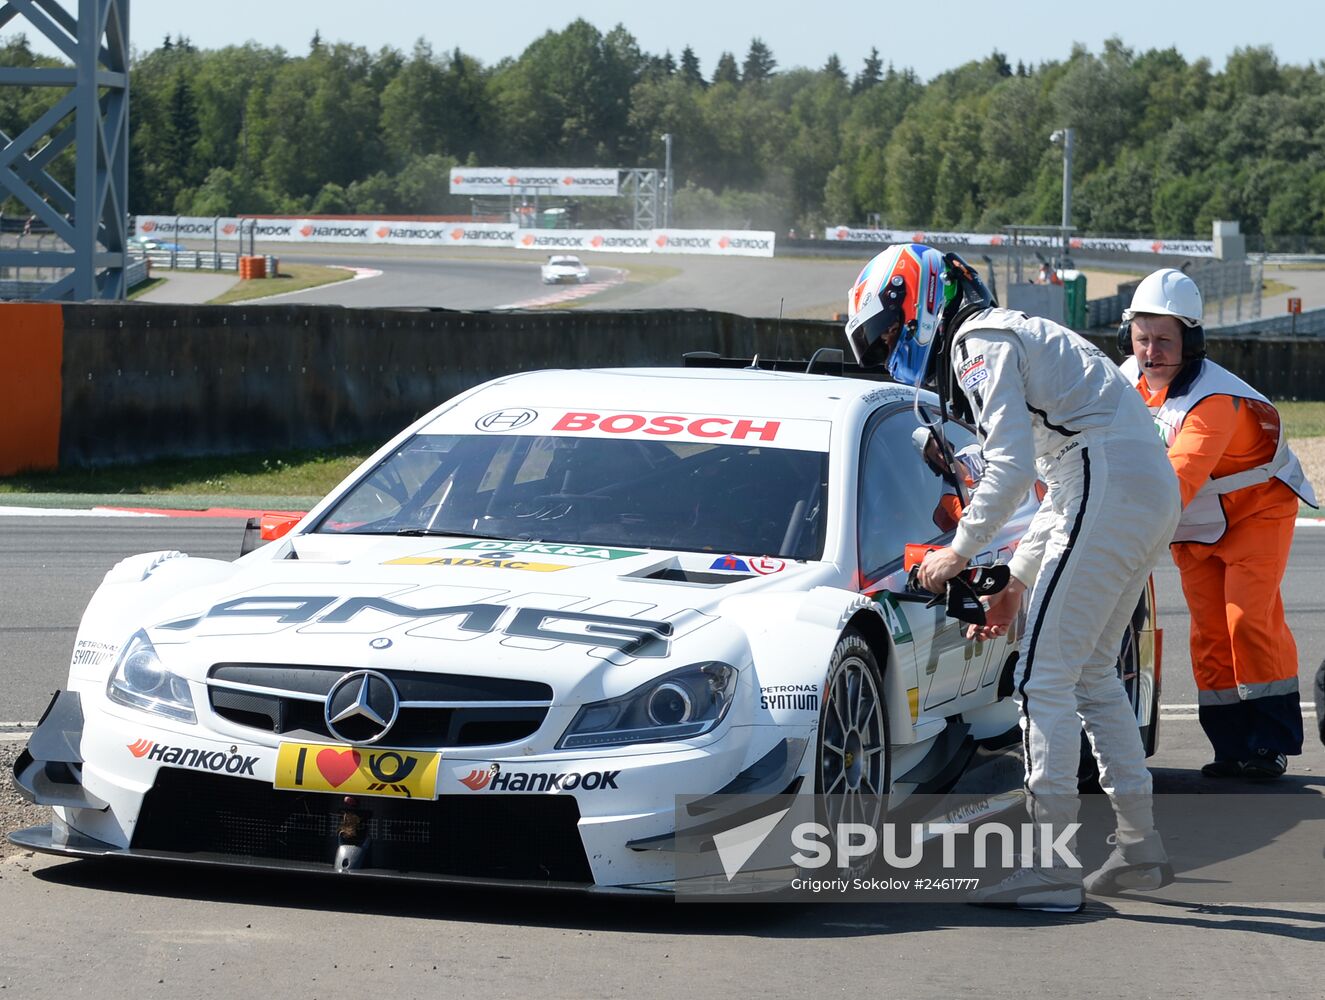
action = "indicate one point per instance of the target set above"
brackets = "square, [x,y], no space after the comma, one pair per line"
[504,421]
[361,707]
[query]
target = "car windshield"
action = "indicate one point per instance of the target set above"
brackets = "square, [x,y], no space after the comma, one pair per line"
[729,498]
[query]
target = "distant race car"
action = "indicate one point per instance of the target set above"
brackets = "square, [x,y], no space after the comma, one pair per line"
[564,269]
[138,244]
[500,648]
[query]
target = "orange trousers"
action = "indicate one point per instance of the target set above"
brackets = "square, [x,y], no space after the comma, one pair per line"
[1243,655]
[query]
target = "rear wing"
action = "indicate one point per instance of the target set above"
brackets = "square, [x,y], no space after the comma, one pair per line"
[824,361]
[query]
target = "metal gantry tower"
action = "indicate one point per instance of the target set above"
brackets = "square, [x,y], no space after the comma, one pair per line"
[93,117]
[641,186]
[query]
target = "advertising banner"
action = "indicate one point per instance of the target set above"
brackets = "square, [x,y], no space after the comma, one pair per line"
[169,227]
[602,240]
[448,234]
[1191,248]
[566,182]
[724,242]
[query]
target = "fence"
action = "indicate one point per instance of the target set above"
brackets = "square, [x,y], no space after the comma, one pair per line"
[135,273]
[1307,324]
[1231,291]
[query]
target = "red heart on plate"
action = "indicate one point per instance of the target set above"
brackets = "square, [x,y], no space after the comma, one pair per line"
[337,765]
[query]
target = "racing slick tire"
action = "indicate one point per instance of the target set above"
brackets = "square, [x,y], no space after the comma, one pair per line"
[853,765]
[1088,772]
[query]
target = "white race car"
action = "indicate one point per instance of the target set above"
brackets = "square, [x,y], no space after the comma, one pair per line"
[564,269]
[503,646]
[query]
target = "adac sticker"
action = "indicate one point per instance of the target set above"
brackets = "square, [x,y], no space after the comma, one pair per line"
[480,563]
[549,549]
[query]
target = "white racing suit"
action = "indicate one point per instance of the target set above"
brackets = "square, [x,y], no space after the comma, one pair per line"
[1047,402]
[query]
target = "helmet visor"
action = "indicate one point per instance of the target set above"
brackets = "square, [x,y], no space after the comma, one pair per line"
[869,339]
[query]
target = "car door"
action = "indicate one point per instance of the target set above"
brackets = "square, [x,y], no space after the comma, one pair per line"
[899,503]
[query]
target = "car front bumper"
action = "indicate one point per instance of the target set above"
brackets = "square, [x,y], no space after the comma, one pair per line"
[486,824]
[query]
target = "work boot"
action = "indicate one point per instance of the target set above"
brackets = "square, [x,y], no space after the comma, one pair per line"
[1143,865]
[1054,890]
[1265,765]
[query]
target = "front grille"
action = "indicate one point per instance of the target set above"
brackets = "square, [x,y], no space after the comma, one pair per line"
[299,706]
[518,837]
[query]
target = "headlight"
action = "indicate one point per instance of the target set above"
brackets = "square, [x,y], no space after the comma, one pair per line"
[685,703]
[140,681]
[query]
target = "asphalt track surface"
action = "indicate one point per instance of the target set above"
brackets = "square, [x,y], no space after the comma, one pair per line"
[800,287]
[489,279]
[97,928]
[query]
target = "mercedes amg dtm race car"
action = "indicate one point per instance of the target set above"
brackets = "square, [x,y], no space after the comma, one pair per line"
[502,647]
[562,269]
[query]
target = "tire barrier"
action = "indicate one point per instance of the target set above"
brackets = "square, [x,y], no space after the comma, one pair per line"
[90,385]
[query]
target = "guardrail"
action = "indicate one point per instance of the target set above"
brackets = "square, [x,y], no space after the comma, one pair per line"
[190,260]
[22,289]
[1305,324]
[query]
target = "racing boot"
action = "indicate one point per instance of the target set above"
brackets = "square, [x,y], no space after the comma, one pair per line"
[1053,890]
[1143,864]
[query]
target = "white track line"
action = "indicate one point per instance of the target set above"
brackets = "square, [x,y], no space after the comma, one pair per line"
[7,511]
[359,274]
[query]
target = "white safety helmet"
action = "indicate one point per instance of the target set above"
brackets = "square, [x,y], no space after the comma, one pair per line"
[920,439]
[1167,292]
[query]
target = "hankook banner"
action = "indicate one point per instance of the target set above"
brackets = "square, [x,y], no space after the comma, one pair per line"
[605,240]
[1192,248]
[726,242]
[586,182]
[489,234]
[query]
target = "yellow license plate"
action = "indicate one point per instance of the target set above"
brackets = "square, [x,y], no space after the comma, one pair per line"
[313,767]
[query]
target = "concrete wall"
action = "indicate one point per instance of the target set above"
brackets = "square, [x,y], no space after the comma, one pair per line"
[129,382]
[142,381]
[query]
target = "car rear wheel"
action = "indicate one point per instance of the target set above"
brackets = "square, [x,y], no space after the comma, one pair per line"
[854,769]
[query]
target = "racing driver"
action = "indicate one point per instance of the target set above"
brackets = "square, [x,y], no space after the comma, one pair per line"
[1045,401]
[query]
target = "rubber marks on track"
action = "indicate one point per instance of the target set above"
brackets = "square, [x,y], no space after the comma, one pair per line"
[567,293]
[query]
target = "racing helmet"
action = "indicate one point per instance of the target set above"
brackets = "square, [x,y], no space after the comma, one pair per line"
[900,291]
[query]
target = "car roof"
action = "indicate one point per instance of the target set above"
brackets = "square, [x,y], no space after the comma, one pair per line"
[563,258]
[700,390]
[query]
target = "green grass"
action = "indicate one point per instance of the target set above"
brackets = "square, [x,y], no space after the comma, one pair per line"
[1302,419]
[292,278]
[298,475]
[143,287]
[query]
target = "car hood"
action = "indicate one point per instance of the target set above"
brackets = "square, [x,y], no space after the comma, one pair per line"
[569,615]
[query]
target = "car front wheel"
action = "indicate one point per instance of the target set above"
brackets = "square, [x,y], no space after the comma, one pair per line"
[854,769]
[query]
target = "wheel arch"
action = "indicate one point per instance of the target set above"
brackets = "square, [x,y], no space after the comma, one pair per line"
[875,632]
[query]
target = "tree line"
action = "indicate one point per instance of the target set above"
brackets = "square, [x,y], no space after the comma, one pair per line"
[1163,145]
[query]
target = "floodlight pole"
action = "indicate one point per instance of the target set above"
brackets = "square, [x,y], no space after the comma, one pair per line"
[1066,136]
[667,175]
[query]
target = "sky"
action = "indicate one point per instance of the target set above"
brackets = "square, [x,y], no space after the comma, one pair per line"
[929,38]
